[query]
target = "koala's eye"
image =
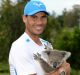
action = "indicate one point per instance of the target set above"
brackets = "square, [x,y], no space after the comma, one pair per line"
[48,52]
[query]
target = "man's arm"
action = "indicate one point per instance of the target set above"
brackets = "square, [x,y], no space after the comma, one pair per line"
[65,67]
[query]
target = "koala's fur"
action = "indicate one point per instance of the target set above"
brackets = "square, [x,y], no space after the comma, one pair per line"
[55,59]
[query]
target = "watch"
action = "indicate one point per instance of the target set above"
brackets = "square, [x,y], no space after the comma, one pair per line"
[62,73]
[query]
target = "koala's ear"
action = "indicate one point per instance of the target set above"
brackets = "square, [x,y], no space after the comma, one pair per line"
[63,53]
[48,52]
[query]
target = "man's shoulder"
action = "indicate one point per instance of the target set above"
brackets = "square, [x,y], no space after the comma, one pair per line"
[20,41]
[18,45]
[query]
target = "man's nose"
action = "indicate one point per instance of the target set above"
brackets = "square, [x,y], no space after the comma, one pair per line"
[39,21]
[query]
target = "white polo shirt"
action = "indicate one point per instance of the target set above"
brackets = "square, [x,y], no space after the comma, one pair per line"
[21,56]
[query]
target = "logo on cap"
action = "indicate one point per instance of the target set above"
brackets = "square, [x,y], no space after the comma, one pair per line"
[37,4]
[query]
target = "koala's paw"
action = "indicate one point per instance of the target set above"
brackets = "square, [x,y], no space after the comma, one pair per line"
[37,56]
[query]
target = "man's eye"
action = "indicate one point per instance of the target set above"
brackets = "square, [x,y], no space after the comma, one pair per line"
[44,16]
[34,17]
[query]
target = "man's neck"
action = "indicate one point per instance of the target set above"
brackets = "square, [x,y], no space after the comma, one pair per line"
[35,38]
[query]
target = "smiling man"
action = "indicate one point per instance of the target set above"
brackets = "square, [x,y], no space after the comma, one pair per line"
[21,56]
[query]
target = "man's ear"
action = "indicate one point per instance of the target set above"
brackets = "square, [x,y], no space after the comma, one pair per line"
[24,18]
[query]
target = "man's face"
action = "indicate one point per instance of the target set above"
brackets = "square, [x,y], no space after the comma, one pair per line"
[35,24]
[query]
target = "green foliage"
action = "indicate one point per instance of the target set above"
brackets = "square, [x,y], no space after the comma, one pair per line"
[4,69]
[61,40]
[11,26]
[75,72]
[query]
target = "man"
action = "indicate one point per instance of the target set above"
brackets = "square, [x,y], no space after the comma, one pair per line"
[21,57]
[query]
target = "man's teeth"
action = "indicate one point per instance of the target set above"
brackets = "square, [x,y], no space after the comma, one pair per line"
[38,27]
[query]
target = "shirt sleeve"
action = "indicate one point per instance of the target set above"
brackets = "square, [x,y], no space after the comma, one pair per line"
[22,61]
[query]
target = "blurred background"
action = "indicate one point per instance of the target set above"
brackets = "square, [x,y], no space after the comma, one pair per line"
[63,31]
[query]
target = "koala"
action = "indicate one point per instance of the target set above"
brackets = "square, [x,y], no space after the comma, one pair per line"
[55,59]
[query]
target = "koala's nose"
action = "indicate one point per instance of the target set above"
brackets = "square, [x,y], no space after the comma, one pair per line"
[55,64]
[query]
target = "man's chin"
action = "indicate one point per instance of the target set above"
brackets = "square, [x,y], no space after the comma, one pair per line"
[39,33]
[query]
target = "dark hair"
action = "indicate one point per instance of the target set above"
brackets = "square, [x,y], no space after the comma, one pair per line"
[28,0]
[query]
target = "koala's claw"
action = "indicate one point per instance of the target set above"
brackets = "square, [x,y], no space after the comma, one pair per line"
[37,56]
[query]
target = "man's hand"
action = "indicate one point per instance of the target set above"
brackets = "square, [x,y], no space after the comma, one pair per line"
[64,67]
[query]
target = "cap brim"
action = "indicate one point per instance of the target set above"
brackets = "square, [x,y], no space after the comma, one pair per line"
[36,11]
